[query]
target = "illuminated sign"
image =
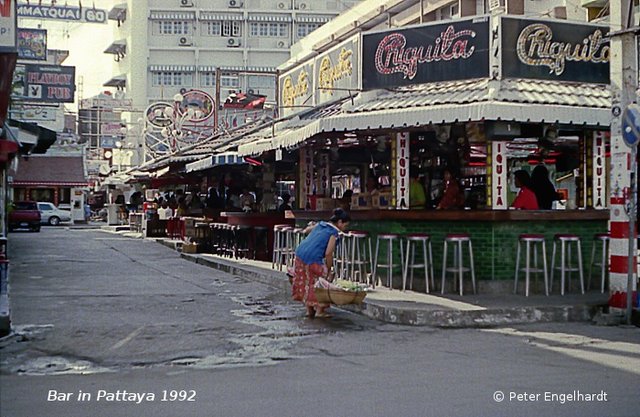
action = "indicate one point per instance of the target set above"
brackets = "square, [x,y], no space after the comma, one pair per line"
[555,50]
[499,175]
[599,171]
[50,83]
[402,171]
[78,14]
[32,44]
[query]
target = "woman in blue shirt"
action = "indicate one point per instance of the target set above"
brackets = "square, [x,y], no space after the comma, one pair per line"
[314,259]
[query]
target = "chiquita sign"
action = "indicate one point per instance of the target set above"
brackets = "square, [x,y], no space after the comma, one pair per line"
[553,50]
[436,52]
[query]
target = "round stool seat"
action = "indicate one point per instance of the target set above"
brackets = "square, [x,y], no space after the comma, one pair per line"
[531,237]
[567,237]
[602,236]
[358,233]
[457,237]
[388,236]
[261,228]
[418,236]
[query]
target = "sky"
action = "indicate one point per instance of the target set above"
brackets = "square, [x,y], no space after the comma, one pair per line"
[85,42]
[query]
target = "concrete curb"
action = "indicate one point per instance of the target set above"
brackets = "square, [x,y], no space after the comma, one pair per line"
[444,318]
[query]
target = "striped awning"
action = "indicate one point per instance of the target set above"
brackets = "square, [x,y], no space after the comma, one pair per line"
[219,16]
[313,19]
[175,68]
[172,15]
[270,18]
[253,69]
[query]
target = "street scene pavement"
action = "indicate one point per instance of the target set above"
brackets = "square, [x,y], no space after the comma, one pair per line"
[104,325]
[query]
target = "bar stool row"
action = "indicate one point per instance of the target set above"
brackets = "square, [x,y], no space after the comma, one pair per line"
[357,261]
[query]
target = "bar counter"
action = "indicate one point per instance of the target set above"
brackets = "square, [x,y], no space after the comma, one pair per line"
[462,215]
[494,233]
[267,220]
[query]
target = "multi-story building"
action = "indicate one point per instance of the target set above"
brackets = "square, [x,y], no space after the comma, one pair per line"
[164,47]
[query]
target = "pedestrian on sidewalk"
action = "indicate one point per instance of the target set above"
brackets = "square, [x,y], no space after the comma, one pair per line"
[314,259]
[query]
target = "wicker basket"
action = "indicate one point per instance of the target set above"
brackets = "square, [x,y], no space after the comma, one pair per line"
[339,297]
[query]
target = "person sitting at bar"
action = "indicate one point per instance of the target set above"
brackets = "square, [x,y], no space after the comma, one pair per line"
[247,200]
[285,206]
[452,197]
[417,196]
[543,188]
[526,199]
[345,202]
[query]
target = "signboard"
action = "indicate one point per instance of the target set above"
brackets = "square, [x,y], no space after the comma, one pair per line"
[111,129]
[32,44]
[426,53]
[306,176]
[599,176]
[68,13]
[337,71]
[36,113]
[402,171]
[7,26]
[499,175]
[631,125]
[50,83]
[552,50]
[296,90]
[323,184]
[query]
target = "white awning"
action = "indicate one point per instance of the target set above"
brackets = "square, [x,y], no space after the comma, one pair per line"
[176,68]
[313,19]
[172,16]
[200,165]
[209,16]
[269,18]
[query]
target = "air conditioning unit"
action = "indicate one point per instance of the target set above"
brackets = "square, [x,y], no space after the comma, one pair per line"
[186,3]
[235,3]
[234,42]
[183,41]
[183,90]
[302,6]
[281,5]
[251,91]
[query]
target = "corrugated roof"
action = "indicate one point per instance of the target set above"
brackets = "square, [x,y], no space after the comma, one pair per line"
[50,170]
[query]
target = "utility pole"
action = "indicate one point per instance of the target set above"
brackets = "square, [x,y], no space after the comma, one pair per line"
[624,84]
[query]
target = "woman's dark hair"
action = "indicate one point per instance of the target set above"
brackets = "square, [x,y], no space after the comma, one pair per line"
[524,178]
[340,214]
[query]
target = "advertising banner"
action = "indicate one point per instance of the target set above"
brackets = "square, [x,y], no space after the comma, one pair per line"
[7,26]
[296,90]
[436,52]
[337,71]
[32,44]
[50,83]
[552,50]
[68,13]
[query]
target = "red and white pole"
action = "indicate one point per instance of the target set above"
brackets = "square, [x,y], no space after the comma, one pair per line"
[624,83]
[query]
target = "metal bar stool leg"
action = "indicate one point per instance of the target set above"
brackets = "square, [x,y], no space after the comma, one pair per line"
[544,266]
[444,266]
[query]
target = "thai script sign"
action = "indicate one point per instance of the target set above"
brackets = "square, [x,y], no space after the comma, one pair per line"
[296,90]
[499,175]
[402,171]
[32,44]
[7,25]
[554,50]
[50,83]
[426,53]
[78,14]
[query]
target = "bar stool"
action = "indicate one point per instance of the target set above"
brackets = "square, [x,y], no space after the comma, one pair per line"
[360,261]
[458,263]
[279,245]
[532,241]
[215,238]
[603,239]
[389,239]
[230,248]
[289,250]
[565,241]
[242,238]
[341,259]
[413,242]
[261,242]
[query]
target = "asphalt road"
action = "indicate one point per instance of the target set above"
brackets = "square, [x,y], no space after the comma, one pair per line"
[110,326]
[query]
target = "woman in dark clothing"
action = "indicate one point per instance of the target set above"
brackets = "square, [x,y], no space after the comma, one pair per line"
[543,188]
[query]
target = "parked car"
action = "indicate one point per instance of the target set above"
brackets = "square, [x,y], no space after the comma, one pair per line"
[24,215]
[52,215]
